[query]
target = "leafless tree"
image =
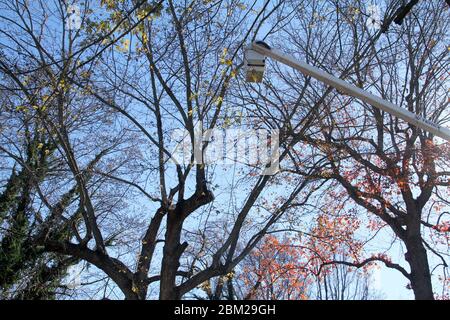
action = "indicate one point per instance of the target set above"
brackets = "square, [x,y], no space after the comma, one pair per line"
[393,170]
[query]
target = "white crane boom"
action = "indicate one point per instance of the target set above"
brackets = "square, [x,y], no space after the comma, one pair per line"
[352,90]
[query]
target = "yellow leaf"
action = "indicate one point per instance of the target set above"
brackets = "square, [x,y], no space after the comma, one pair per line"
[124,47]
[242,6]
[219,100]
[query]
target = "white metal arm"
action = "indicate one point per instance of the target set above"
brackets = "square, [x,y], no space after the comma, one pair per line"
[354,91]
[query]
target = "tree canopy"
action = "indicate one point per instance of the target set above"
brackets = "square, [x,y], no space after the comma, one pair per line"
[93,203]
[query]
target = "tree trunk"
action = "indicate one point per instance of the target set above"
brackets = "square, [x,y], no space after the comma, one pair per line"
[420,270]
[171,257]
